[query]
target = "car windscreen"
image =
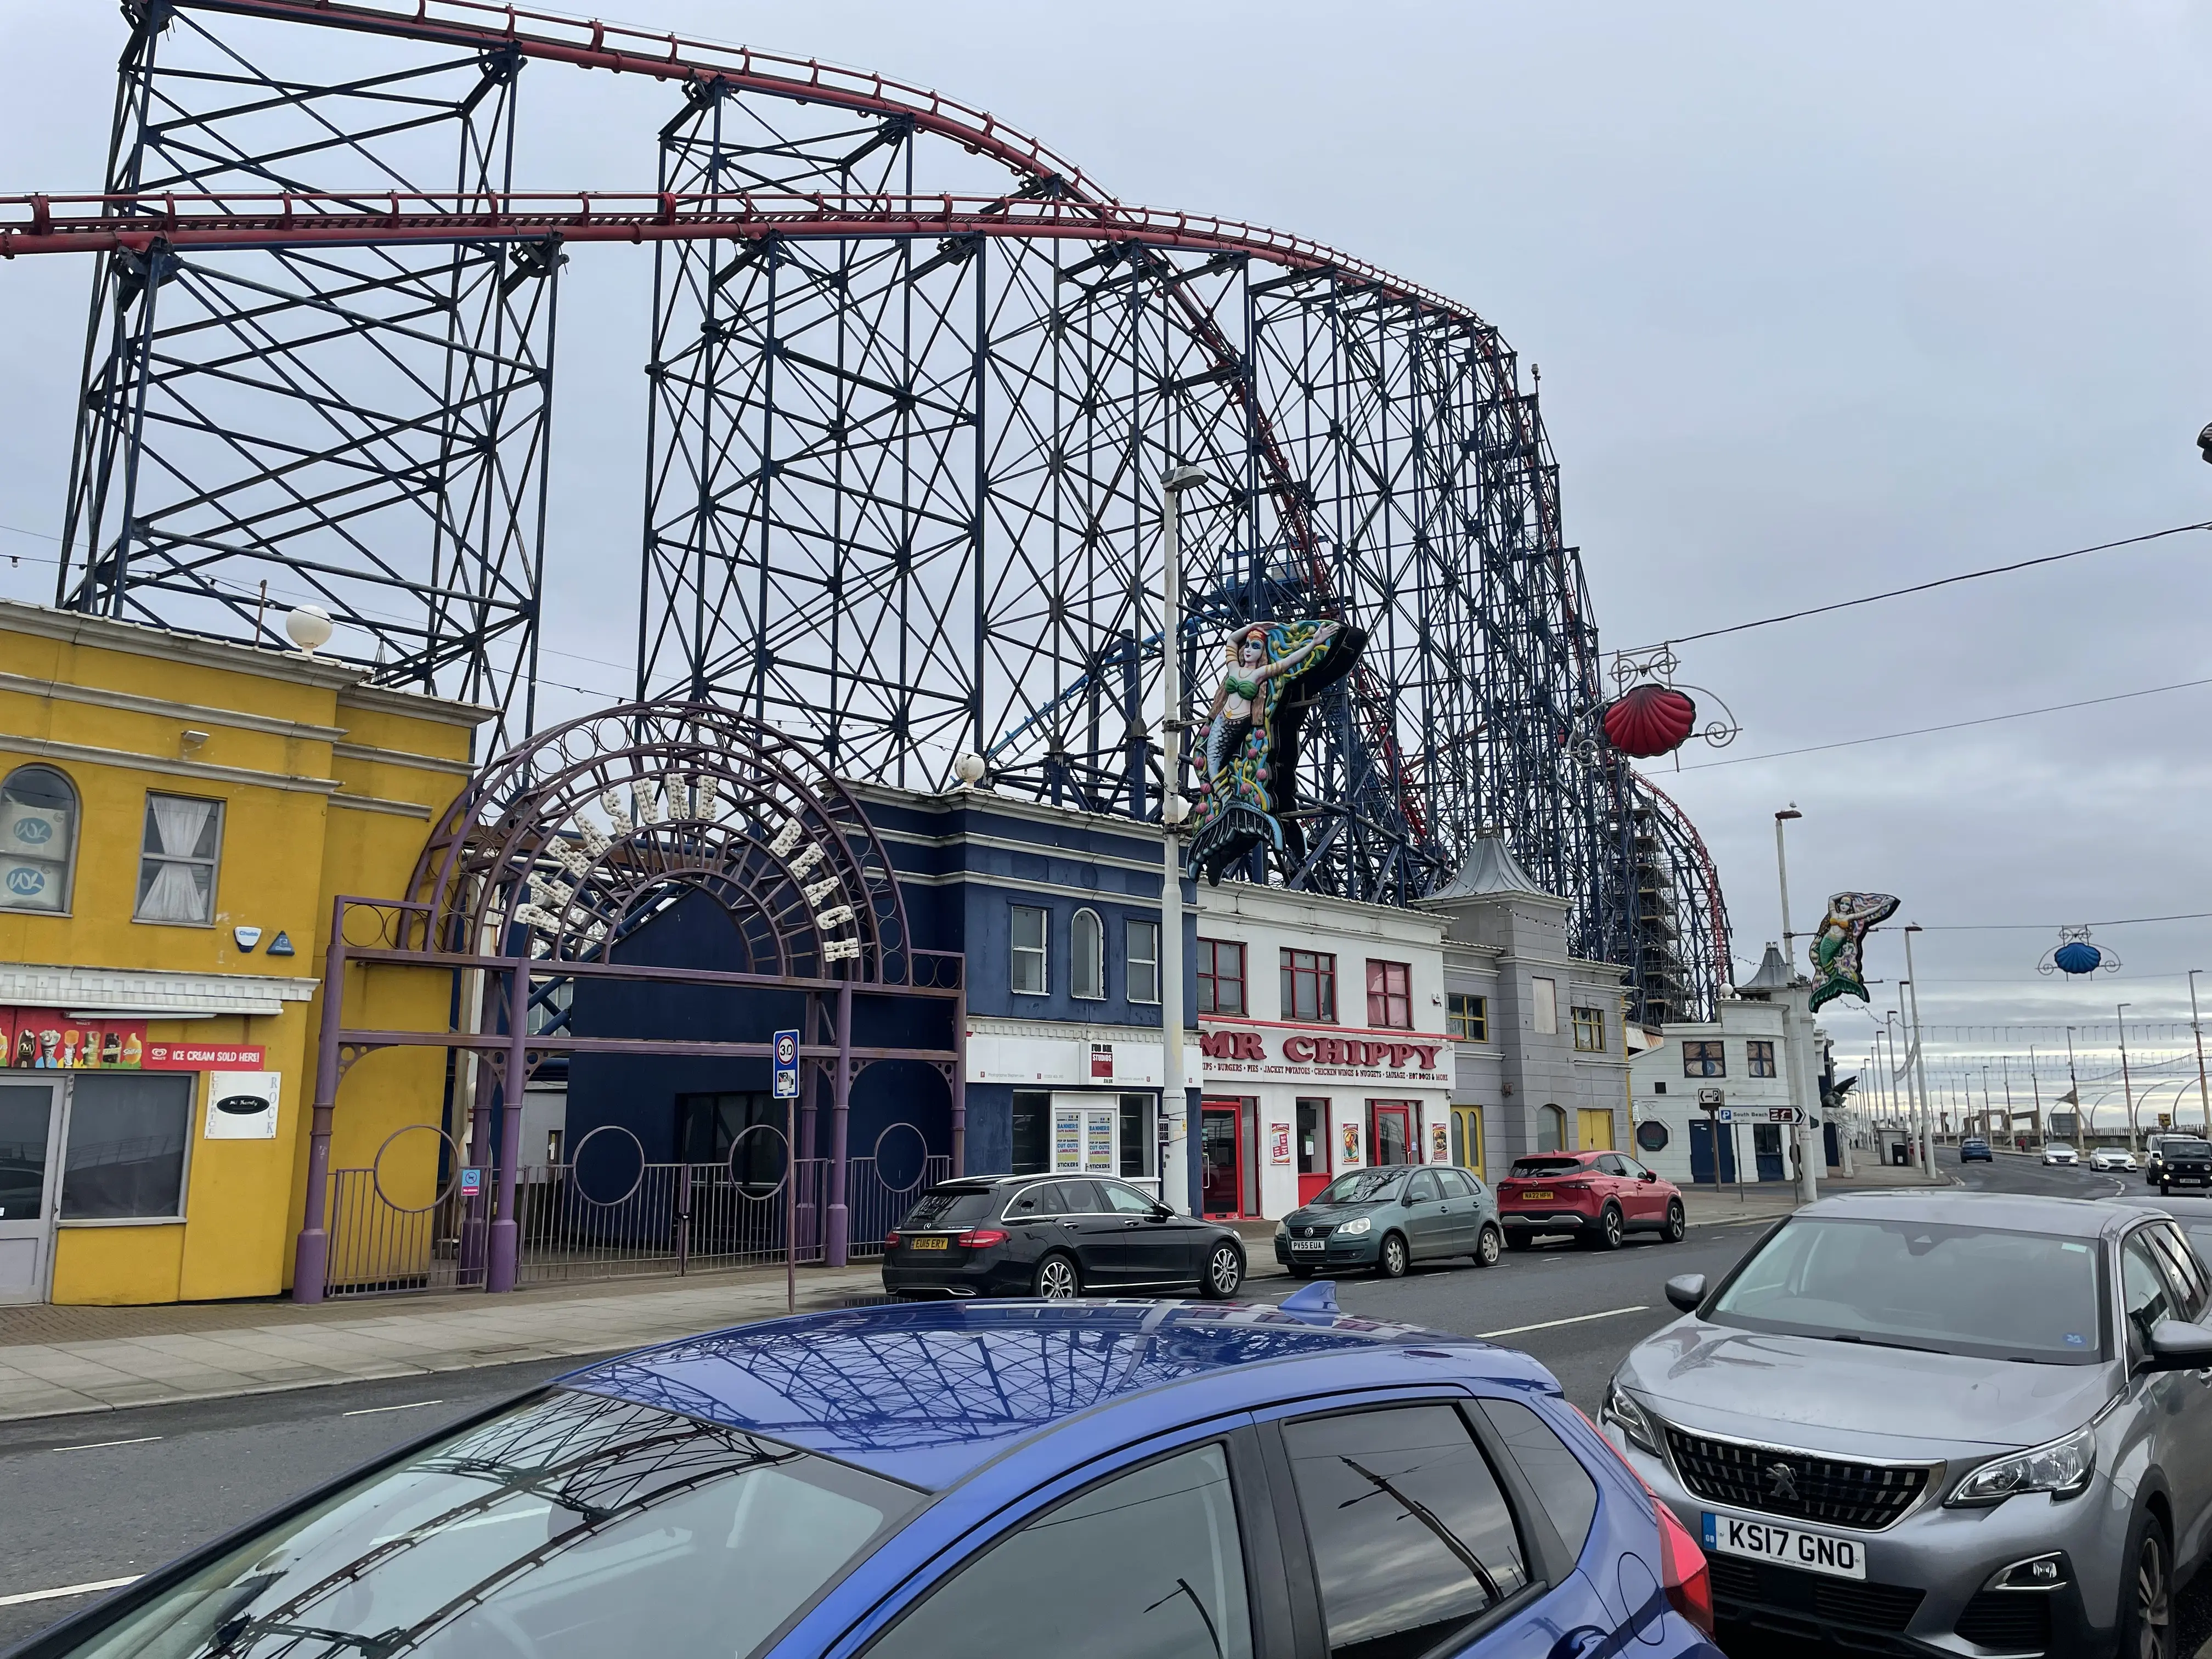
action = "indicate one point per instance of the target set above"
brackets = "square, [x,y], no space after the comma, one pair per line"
[1984,1292]
[1361,1186]
[950,1207]
[562,1529]
[1525,1167]
[2173,1149]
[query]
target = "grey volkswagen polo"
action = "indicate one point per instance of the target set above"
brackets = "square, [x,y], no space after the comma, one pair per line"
[1939,1423]
[1389,1216]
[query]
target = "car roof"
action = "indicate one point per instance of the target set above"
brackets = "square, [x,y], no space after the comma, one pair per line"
[928,1392]
[2027,1213]
[2183,1209]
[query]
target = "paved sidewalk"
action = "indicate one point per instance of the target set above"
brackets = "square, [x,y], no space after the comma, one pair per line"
[56,1360]
[1770,1200]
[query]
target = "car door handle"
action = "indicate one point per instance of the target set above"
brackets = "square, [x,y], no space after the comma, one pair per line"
[1129,1223]
[1580,1644]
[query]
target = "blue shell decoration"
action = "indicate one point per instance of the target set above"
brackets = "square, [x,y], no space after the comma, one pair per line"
[2077,958]
[2074,955]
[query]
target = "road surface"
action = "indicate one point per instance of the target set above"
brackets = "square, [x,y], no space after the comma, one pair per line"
[105,1497]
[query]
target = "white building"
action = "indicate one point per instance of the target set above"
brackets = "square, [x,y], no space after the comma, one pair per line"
[1322,1029]
[1758,1062]
[1338,1036]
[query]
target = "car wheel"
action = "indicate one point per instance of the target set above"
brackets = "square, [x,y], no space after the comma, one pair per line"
[1225,1272]
[1677,1223]
[1390,1260]
[1607,1235]
[1487,1245]
[1058,1279]
[1520,1241]
[2146,1594]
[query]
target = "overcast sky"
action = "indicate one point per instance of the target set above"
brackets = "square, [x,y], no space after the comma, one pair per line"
[1821,310]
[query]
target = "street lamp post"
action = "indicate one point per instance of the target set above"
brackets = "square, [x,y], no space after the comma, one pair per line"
[2127,1089]
[1808,1180]
[2203,1098]
[1175,1103]
[1919,1058]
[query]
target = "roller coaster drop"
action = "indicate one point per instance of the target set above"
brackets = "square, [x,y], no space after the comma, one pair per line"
[914,380]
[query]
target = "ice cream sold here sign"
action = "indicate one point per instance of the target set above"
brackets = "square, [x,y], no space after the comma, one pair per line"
[48,1039]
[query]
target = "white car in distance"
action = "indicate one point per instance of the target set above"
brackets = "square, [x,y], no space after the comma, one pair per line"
[2058,1151]
[2112,1157]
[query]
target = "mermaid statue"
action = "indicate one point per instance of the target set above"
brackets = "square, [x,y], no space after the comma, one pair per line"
[1275,670]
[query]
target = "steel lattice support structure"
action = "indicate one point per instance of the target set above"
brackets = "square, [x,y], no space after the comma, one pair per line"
[363,428]
[914,379]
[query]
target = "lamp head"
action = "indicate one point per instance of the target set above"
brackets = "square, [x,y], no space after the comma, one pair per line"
[967,767]
[1185,476]
[1786,813]
[308,626]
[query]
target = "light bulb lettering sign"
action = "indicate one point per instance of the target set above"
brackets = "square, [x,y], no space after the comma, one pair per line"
[568,885]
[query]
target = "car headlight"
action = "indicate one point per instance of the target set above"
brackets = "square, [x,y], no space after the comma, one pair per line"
[1354,1229]
[2061,1468]
[1624,1414]
[1282,1230]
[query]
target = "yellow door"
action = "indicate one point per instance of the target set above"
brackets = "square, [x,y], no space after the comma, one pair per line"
[1467,1137]
[1597,1130]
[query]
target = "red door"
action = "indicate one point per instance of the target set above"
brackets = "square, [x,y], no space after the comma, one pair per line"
[1312,1130]
[1390,1133]
[1221,1178]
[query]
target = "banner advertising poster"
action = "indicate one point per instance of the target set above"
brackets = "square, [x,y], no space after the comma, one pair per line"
[1439,1144]
[1351,1159]
[205,1056]
[45,1039]
[1279,1142]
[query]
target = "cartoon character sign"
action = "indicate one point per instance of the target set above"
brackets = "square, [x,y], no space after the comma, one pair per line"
[1275,671]
[1837,944]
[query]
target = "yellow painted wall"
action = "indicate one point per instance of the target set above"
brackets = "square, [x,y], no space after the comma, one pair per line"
[109,1265]
[328,786]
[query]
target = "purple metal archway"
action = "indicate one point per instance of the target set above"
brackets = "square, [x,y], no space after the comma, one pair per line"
[565,847]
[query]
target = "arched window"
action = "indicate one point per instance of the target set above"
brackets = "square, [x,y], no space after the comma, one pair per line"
[37,839]
[1551,1130]
[1087,946]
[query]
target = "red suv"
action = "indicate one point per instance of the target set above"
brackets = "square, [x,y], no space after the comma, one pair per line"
[1598,1197]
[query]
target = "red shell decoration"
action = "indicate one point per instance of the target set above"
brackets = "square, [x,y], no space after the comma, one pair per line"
[1649,719]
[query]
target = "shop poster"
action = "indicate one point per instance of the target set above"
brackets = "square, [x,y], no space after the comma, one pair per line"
[1351,1159]
[1279,1142]
[45,1040]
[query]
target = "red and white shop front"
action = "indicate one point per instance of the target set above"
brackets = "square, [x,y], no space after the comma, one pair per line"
[1287,1108]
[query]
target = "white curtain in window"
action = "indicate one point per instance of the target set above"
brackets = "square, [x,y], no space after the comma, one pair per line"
[180,891]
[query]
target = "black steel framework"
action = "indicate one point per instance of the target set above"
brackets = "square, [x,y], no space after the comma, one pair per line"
[901,481]
[360,428]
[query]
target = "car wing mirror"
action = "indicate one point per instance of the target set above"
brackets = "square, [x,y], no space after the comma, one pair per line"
[1686,1291]
[1162,1213]
[2178,1346]
[1649,1175]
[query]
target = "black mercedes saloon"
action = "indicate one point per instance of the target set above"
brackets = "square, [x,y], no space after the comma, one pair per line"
[1056,1236]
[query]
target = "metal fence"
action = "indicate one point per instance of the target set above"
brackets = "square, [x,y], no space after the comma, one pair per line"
[378,1247]
[671,1219]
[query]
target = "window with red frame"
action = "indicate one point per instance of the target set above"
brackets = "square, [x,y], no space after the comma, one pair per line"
[1220,977]
[1390,996]
[1308,985]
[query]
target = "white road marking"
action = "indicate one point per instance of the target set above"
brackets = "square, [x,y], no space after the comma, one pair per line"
[94,1445]
[371,1411]
[1550,1324]
[66,1589]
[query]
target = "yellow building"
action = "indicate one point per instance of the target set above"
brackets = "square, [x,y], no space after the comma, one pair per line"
[176,816]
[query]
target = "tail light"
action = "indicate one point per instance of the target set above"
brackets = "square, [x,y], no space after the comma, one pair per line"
[1682,1570]
[977,1238]
[891,1241]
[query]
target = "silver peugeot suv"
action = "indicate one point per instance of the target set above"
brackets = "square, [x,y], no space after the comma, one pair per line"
[1939,1423]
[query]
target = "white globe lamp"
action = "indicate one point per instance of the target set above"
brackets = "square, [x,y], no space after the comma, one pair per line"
[308,626]
[967,767]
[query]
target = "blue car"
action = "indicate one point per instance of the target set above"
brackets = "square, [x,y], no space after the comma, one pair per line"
[1973,1148]
[1090,1480]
